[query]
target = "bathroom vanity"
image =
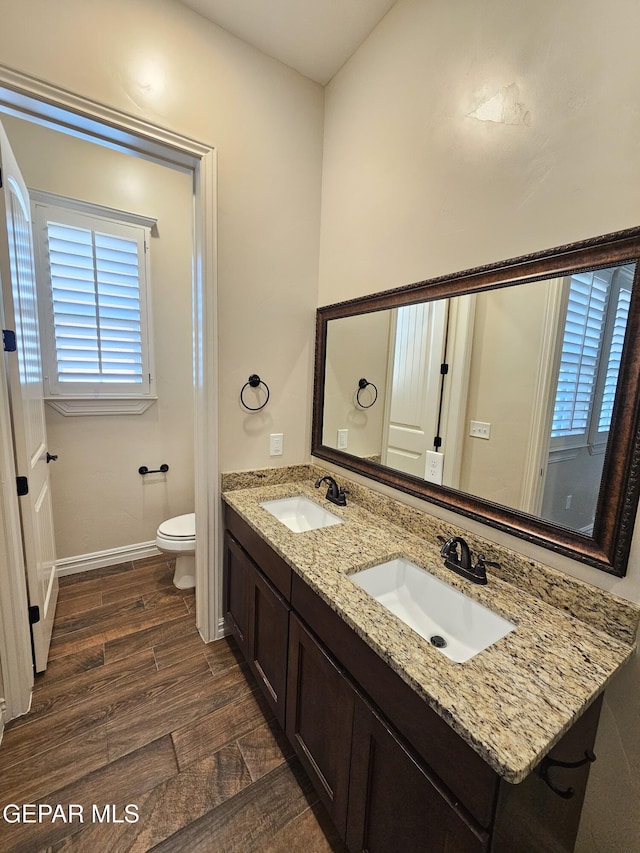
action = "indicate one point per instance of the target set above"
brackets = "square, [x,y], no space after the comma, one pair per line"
[407,749]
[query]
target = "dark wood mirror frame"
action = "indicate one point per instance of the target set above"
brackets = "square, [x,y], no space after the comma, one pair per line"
[608,547]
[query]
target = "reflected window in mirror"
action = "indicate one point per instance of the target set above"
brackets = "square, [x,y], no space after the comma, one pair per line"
[594,321]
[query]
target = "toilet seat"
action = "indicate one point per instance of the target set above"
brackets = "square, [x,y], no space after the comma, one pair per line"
[179,528]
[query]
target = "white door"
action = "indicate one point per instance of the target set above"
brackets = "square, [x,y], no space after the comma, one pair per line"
[413,399]
[24,373]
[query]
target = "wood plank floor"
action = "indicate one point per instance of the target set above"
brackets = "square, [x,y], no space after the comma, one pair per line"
[135,710]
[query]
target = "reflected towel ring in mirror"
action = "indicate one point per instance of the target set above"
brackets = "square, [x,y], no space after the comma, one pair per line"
[362,384]
[254,381]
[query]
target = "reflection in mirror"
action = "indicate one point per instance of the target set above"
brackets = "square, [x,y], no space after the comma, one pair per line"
[590,338]
[506,395]
[503,392]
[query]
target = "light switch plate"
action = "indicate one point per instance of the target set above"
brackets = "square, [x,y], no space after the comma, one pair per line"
[343,439]
[480,429]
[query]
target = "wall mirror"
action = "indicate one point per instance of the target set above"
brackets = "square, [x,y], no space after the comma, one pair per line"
[508,393]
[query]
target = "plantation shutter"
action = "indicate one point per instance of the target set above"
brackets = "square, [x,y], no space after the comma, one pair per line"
[96,311]
[595,327]
[586,312]
[613,363]
[95,293]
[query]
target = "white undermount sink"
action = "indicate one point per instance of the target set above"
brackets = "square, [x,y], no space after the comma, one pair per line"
[456,625]
[301,514]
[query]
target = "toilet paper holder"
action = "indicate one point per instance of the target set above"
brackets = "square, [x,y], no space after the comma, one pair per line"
[161,470]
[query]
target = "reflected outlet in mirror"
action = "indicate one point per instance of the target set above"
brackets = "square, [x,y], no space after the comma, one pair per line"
[301,514]
[456,625]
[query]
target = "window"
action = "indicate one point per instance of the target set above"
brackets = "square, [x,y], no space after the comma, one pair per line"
[94,306]
[595,324]
[618,325]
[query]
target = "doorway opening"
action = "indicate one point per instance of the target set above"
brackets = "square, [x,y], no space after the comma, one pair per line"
[33,100]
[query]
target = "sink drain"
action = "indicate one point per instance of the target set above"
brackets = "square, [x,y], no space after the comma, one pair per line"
[438,641]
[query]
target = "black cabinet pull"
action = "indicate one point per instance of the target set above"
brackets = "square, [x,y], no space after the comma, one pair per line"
[548,763]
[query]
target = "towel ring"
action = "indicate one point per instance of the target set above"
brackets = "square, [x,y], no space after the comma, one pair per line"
[254,381]
[362,384]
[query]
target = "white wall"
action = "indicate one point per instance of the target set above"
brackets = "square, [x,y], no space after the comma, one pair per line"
[100,501]
[505,360]
[418,181]
[158,61]
[357,347]
[416,184]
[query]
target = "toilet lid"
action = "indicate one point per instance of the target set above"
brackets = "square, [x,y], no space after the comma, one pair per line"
[180,527]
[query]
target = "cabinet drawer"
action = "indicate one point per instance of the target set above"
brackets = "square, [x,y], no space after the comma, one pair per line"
[273,566]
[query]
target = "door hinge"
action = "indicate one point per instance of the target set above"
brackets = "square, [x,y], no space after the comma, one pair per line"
[437,441]
[444,369]
[22,485]
[34,614]
[9,340]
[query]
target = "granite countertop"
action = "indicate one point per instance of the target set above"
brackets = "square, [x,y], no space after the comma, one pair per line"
[511,702]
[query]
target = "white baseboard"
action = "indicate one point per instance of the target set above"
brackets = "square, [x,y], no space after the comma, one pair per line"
[100,559]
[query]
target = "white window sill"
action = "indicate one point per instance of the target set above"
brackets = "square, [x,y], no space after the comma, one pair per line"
[72,407]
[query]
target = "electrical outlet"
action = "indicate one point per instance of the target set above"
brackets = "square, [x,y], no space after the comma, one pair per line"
[479,429]
[276,440]
[567,503]
[343,439]
[435,464]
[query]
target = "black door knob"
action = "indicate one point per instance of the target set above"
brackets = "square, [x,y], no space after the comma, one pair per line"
[51,457]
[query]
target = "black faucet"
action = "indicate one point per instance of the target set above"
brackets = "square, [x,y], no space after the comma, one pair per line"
[334,493]
[459,561]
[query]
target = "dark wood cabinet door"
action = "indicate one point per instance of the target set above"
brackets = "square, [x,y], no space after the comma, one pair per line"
[236,592]
[393,802]
[320,704]
[268,641]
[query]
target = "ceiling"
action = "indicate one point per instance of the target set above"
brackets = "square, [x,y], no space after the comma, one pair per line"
[316,37]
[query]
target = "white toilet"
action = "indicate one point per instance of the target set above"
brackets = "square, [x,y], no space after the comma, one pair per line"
[177,536]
